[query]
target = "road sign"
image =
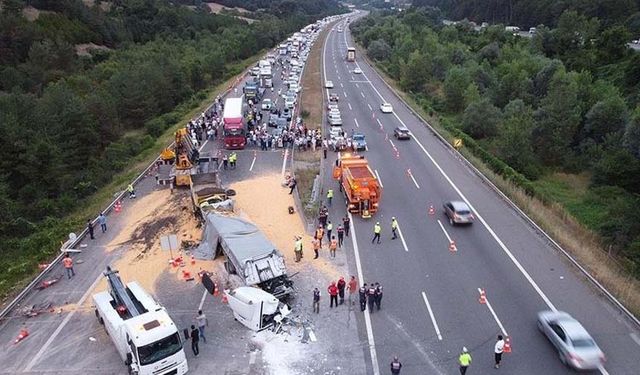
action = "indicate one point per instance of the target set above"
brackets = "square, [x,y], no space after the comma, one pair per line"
[457,143]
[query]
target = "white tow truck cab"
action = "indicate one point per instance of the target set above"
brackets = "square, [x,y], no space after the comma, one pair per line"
[142,331]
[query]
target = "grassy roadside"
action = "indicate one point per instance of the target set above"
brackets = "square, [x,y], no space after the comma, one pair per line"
[21,267]
[306,164]
[554,218]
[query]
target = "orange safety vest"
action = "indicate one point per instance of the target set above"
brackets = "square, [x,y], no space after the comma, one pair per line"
[319,233]
[68,262]
[333,245]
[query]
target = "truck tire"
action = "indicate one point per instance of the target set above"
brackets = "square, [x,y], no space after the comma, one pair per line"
[100,320]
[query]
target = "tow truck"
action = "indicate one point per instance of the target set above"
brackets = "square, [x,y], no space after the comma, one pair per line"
[142,331]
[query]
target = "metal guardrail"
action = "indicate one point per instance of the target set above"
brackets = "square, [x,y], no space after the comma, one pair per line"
[16,301]
[506,199]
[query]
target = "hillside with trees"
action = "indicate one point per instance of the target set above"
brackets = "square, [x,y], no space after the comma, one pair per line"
[83,89]
[556,114]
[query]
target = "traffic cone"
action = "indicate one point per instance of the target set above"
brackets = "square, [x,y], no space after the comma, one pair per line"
[397,154]
[193,260]
[23,334]
[483,297]
[432,210]
[118,206]
[216,292]
[452,246]
[186,275]
[507,345]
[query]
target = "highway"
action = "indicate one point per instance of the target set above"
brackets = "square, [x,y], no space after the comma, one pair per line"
[431,303]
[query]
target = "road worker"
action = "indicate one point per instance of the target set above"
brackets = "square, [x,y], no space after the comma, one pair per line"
[394,228]
[329,197]
[465,360]
[376,232]
[333,245]
[319,234]
[316,247]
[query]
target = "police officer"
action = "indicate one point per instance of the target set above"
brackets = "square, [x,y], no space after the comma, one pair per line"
[395,366]
[378,298]
[371,296]
[376,232]
[362,292]
[394,228]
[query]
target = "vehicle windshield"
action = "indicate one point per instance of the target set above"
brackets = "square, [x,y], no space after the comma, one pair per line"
[463,212]
[358,137]
[234,132]
[159,350]
[583,343]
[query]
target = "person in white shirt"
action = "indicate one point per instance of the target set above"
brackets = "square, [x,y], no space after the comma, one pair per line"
[498,349]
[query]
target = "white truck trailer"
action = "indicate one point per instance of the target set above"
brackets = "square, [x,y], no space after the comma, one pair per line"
[142,331]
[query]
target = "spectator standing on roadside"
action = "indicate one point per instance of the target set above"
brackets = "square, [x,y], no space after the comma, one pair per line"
[90,229]
[202,321]
[347,223]
[341,285]
[353,288]
[102,220]
[195,338]
[333,294]
[316,300]
[68,265]
[292,185]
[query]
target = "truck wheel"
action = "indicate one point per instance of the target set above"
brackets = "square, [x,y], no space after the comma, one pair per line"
[100,320]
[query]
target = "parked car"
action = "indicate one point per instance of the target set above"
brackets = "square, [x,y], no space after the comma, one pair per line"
[458,212]
[386,108]
[575,346]
[357,71]
[401,132]
[328,85]
[358,141]
[266,104]
[334,98]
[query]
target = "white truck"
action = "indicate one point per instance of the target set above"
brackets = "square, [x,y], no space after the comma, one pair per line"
[142,331]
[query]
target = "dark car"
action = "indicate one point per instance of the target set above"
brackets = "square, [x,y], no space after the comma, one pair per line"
[458,212]
[401,132]
[286,113]
[334,98]
[273,120]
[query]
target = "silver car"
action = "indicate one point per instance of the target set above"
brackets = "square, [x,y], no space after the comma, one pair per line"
[458,212]
[575,346]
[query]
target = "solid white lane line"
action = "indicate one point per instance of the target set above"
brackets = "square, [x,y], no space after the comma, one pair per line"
[445,231]
[404,243]
[367,317]
[602,370]
[252,163]
[414,180]
[433,318]
[361,93]
[204,295]
[504,248]
[635,338]
[369,105]
[495,317]
[356,121]
[64,322]
[349,104]
[378,177]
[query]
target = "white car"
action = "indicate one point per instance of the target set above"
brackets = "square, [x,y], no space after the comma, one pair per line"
[357,71]
[294,87]
[328,85]
[266,104]
[386,108]
[290,101]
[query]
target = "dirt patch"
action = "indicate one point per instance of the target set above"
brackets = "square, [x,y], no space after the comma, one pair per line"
[86,48]
[217,8]
[157,214]
[32,14]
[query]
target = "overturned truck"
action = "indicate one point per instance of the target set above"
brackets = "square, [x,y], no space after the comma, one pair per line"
[249,254]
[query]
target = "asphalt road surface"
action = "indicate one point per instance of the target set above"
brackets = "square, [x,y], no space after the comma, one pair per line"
[430,305]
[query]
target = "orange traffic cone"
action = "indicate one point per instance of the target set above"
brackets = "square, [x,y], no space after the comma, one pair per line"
[23,334]
[483,297]
[452,246]
[216,292]
[193,260]
[432,210]
[186,275]
[507,345]
[224,298]
[118,206]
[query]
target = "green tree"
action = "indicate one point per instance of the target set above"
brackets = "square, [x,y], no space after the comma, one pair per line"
[605,117]
[632,134]
[480,119]
[379,50]
[612,44]
[455,84]
[513,143]
[413,74]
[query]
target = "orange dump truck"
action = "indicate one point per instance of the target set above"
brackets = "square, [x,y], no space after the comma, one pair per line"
[359,184]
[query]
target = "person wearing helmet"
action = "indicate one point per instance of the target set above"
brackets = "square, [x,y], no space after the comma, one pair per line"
[465,360]
[394,228]
[396,365]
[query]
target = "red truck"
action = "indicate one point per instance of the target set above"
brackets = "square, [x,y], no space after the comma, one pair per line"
[233,126]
